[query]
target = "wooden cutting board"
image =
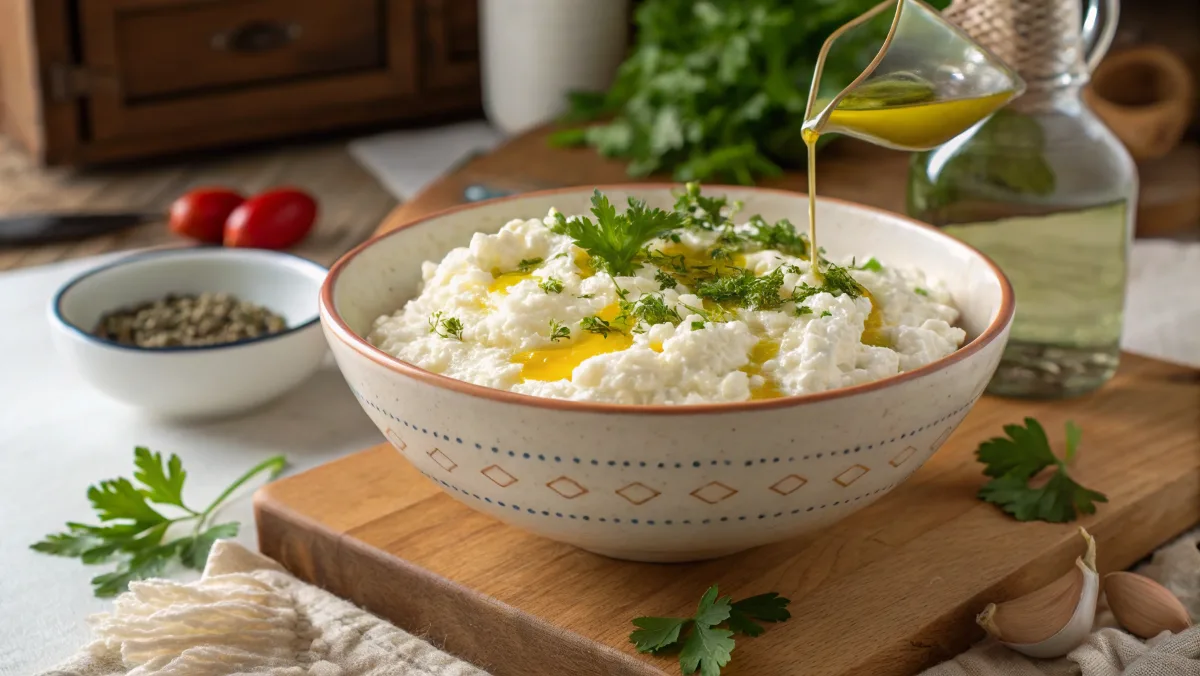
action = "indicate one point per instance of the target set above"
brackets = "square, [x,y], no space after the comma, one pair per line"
[890,590]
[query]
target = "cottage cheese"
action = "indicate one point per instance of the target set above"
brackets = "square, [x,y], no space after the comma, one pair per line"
[506,320]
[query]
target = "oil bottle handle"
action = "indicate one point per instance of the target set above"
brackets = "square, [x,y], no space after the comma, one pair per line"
[1097,36]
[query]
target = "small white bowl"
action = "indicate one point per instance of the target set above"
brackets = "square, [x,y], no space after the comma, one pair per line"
[666,483]
[200,381]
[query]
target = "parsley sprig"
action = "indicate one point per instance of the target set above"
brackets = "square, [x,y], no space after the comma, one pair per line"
[614,239]
[133,530]
[705,645]
[446,327]
[1014,460]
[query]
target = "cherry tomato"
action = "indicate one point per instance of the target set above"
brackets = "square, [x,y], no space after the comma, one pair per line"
[275,219]
[201,213]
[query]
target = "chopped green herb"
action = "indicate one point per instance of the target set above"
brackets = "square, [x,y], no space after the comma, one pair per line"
[1015,460]
[781,236]
[703,644]
[872,265]
[703,213]
[558,331]
[665,281]
[745,290]
[920,292]
[614,240]
[595,324]
[584,295]
[696,326]
[528,264]
[551,285]
[446,327]
[826,313]
[134,531]
[651,309]
[802,310]
[676,262]
[720,254]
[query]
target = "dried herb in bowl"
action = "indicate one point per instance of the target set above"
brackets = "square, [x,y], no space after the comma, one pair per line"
[189,320]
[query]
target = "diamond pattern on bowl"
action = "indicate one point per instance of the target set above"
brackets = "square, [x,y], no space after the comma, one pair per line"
[567,487]
[442,460]
[396,440]
[713,492]
[854,473]
[789,484]
[638,493]
[498,476]
[902,457]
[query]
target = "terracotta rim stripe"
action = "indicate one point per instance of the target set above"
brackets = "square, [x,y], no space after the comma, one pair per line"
[342,332]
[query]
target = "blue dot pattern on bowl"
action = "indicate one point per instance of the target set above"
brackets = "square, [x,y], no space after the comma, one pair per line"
[638,493]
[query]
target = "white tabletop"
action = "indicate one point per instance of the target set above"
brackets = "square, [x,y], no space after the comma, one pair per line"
[57,436]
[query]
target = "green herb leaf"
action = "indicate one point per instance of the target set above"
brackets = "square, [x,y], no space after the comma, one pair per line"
[745,290]
[594,324]
[446,327]
[1016,460]
[614,240]
[769,607]
[133,532]
[558,331]
[872,265]
[551,285]
[162,484]
[802,310]
[696,326]
[528,264]
[706,650]
[665,281]
[655,633]
[826,313]
[920,292]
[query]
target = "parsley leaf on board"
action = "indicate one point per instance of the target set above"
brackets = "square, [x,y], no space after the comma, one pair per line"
[133,531]
[615,239]
[1015,460]
[704,645]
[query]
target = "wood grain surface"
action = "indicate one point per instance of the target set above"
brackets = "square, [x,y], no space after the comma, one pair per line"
[889,590]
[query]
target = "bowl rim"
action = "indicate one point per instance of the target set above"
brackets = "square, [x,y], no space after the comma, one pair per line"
[340,330]
[279,256]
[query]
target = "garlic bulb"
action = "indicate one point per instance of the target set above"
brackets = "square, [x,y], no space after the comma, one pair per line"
[1144,607]
[1053,620]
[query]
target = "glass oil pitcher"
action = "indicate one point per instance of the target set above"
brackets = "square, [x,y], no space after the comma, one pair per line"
[1045,190]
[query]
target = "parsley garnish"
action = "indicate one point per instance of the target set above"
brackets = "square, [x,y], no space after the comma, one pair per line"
[703,213]
[551,285]
[781,236]
[696,326]
[1014,460]
[802,310]
[703,644]
[558,331]
[448,327]
[584,295]
[665,281]
[720,254]
[920,292]
[744,289]
[595,324]
[134,531]
[528,264]
[614,240]
[837,282]
[827,313]
[872,265]
[651,309]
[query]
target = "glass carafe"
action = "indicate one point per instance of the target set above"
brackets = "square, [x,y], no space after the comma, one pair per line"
[1048,192]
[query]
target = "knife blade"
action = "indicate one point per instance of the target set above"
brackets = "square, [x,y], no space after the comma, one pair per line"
[46,228]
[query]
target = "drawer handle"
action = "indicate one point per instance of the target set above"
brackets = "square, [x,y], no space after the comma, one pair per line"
[257,36]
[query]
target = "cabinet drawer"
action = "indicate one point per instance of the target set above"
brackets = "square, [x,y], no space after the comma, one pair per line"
[451,56]
[175,49]
[174,65]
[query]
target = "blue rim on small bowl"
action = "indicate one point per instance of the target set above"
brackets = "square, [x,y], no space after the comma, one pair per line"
[56,302]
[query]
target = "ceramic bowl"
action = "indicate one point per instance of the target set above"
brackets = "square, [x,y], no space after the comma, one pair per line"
[204,381]
[665,483]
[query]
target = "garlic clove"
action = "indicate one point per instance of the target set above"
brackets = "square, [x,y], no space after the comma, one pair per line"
[1053,620]
[1144,607]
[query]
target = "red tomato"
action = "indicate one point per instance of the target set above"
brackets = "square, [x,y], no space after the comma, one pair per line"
[201,213]
[275,219]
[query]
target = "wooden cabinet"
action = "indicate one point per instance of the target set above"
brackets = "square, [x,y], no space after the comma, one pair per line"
[85,81]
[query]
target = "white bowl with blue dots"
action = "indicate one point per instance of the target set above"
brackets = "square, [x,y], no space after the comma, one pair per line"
[665,483]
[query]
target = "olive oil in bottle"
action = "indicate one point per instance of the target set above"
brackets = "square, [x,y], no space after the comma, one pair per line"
[1047,191]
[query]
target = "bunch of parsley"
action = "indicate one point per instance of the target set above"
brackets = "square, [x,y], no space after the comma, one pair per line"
[133,531]
[716,89]
[704,641]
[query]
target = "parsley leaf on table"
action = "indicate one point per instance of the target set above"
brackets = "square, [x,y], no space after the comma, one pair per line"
[1015,460]
[704,645]
[615,239]
[133,531]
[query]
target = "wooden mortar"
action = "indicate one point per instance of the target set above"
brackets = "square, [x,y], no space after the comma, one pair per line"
[1145,95]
